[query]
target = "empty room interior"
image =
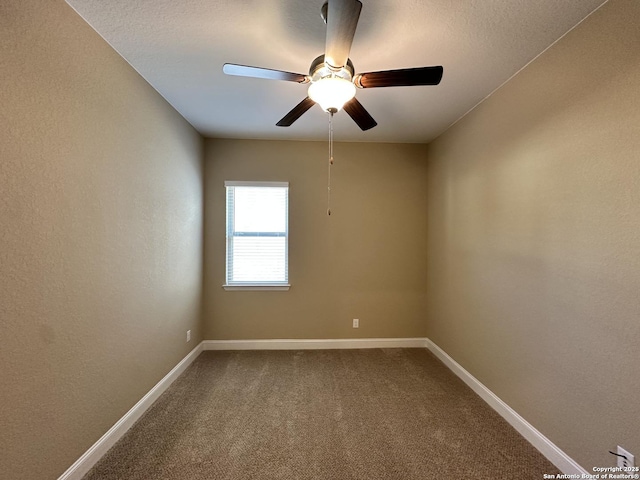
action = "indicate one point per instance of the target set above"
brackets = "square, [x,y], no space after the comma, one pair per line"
[440,279]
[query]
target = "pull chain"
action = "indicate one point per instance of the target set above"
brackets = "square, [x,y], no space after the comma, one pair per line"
[330,163]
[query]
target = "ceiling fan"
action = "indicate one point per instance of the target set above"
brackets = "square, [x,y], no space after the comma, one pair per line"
[332,78]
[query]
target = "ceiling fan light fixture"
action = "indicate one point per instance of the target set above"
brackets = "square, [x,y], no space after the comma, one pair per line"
[332,74]
[331,93]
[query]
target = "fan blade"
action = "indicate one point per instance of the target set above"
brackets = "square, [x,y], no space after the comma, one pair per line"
[406,77]
[257,72]
[342,20]
[359,115]
[296,112]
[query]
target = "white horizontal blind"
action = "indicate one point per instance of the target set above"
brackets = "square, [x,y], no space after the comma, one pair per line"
[257,233]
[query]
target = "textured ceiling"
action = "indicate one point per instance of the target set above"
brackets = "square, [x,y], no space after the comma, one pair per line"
[179,47]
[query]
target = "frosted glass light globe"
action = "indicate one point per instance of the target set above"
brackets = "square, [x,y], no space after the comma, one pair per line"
[331,93]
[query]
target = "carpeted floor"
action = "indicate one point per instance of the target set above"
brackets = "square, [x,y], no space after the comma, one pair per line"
[389,414]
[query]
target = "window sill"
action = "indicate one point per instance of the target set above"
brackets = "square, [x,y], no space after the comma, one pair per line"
[256,287]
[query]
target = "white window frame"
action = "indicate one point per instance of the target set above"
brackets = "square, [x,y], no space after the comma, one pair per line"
[229,231]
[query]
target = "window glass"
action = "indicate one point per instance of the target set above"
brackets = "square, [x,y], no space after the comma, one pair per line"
[257,233]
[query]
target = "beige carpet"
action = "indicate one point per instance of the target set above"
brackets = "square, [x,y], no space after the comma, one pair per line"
[323,414]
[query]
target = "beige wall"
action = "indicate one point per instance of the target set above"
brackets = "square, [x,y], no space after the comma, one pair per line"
[100,238]
[367,260]
[534,239]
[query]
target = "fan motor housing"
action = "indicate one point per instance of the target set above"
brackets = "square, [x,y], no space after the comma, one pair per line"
[319,69]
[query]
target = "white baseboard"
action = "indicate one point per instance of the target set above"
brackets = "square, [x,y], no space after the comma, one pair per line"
[554,454]
[98,449]
[314,344]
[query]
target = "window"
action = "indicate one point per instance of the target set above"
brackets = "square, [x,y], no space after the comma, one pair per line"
[257,235]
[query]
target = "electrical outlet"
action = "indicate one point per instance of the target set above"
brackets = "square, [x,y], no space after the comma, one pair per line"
[625,459]
[188,335]
[356,323]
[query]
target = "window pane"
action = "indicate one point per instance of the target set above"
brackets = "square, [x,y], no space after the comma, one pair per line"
[259,259]
[257,235]
[260,209]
